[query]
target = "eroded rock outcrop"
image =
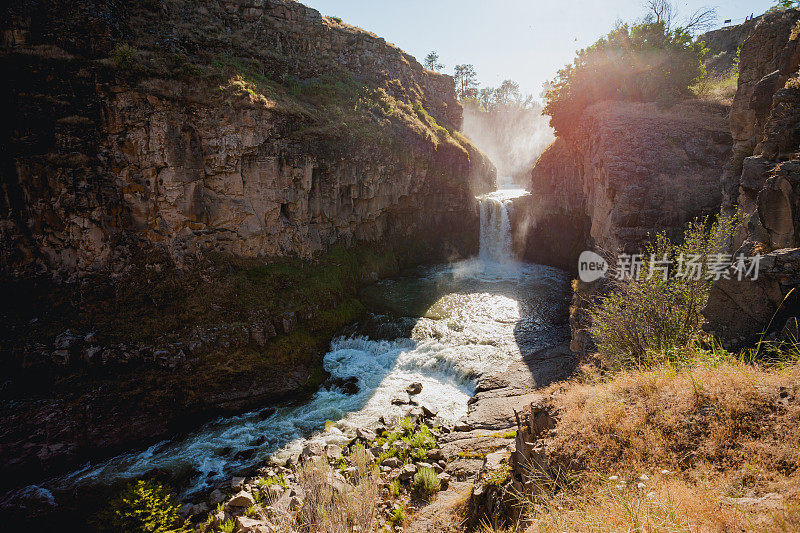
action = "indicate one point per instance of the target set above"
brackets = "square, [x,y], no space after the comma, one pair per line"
[628,171]
[215,128]
[761,187]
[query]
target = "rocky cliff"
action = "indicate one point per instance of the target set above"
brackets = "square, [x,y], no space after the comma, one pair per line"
[192,194]
[628,171]
[254,128]
[761,186]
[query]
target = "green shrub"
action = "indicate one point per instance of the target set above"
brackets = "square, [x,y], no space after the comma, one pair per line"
[647,320]
[422,438]
[407,425]
[394,487]
[499,477]
[398,516]
[426,483]
[639,62]
[277,479]
[143,507]
[228,526]
[122,55]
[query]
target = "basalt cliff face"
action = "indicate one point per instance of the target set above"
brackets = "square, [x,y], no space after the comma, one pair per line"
[628,171]
[761,187]
[192,194]
[199,133]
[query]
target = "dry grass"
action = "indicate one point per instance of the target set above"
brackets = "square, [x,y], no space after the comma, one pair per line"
[710,446]
[718,446]
[720,89]
[666,504]
[727,414]
[329,510]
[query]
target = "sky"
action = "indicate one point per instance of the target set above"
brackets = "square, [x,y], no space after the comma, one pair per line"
[524,40]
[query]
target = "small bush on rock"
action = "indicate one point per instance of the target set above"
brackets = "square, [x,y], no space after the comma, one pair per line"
[426,483]
[652,318]
[645,62]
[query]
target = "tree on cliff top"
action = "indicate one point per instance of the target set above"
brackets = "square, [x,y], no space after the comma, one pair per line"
[432,61]
[466,81]
[645,62]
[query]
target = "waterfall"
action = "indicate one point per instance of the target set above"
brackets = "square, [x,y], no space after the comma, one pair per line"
[495,239]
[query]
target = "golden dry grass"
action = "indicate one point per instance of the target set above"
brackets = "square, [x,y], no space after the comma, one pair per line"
[718,446]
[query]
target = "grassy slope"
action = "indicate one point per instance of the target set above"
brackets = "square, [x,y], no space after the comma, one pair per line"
[715,442]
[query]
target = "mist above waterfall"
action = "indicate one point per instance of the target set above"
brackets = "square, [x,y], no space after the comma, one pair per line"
[513,138]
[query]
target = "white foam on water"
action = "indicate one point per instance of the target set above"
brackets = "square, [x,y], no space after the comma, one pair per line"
[467,332]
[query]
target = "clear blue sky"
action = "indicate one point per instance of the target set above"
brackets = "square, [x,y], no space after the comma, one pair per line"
[525,40]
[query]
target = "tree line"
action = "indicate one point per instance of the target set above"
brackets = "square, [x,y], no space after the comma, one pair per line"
[506,96]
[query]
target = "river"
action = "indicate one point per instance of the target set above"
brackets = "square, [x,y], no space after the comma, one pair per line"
[443,326]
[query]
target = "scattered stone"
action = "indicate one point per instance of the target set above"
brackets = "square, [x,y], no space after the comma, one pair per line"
[408,471]
[312,449]
[400,401]
[435,454]
[444,479]
[199,509]
[237,482]
[376,450]
[245,454]
[242,499]
[185,509]
[251,525]
[348,386]
[462,426]
[216,497]
[414,388]
[365,434]
[427,412]
[391,462]
[333,451]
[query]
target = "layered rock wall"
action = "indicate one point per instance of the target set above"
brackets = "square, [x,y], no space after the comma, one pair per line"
[100,163]
[627,172]
[762,189]
[192,194]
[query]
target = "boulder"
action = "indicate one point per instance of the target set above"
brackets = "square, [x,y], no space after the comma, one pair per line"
[216,497]
[429,412]
[391,462]
[333,451]
[312,449]
[365,434]
[250,525]
[414,388]
[435,454]
[242,499]
[408,471]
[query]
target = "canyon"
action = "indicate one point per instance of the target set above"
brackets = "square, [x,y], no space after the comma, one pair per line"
[244,229]
[175,176]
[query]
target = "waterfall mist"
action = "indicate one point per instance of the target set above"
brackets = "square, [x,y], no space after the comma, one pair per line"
[513,138]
